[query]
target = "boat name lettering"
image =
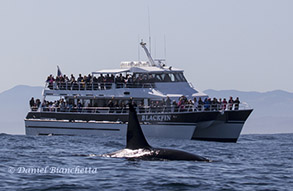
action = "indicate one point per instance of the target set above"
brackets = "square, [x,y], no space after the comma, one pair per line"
[156,117]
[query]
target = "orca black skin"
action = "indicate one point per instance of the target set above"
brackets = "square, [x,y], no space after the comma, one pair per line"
[137,146]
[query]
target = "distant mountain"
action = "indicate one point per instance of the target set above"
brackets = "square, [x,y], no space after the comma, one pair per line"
[273,111]
[15,105]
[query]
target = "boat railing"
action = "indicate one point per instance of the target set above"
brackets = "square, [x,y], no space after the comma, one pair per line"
[144,109]
[91,86]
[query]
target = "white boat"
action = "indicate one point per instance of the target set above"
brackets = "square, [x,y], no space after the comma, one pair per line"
[97,105]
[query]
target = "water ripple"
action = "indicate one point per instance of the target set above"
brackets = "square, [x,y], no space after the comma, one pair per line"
[256,162]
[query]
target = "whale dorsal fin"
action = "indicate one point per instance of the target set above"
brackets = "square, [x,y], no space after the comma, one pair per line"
[135,137]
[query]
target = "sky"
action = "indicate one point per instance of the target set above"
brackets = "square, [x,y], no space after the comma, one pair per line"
[242,45]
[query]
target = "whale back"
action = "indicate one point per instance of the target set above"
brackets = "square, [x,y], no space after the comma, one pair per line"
[135,137]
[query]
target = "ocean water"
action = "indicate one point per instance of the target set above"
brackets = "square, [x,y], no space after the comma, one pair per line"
[256,162]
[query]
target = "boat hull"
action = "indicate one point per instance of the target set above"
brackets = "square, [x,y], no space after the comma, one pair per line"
[209,126]
[226,128]
[54,127]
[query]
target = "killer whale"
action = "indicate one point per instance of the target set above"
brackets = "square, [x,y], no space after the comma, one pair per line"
[137,146]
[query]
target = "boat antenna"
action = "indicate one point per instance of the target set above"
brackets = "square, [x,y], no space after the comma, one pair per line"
[155,48]
[138,48]
[149,19]
[165,50]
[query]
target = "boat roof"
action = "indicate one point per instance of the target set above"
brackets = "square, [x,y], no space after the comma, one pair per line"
[111,71]
[138,67]
[154,69]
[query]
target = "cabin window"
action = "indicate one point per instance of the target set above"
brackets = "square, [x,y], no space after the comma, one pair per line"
[158,77]
[163,77]
[179,77]
[166,78]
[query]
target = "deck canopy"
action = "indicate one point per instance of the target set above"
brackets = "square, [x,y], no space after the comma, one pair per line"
[141,69]
[111,71]
[154,69]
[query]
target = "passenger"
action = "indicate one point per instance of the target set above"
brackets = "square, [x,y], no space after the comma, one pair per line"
[79,106]
[189,104]
[38,103]
[160,105]
[230,103]
[180,103]
[115,108]
[110,103]
[50,80]
[119,81]
[151,79]
[219,105]
[168,104]
[207,104]
[134,82]
[195,104]
[152,106]
[88,82]
[64,82]
[167,78]
[51,106]
[32,103]
[123,107]
[62,105]
[214,104]
[66,79]
[95,83]
[224,104]
[111,78]
[116,104]
[89,79]
[129,81]
[200,104]
[141,107]
[101,80]
[236,102]
[168,101]
[134,104]
[174,106]
[80,78]
[71,82]
[145,79]
[69,107]
[72,78]
[140,81]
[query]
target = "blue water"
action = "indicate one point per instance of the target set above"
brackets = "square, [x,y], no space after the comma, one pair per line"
[256,162]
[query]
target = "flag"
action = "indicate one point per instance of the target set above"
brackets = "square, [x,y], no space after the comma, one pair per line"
[59,73]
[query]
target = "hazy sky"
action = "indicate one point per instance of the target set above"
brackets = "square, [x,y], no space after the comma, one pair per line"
[243,45]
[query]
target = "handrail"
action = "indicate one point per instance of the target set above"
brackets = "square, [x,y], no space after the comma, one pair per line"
[82,86]
[142,109]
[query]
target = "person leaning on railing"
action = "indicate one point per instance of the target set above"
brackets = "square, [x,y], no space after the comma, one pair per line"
[34,105]
[236,104]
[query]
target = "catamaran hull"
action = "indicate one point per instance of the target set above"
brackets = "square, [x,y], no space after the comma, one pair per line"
[53,127]
[218,131]
[209,126]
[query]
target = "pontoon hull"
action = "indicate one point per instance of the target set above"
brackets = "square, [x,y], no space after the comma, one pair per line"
[208,126]
[54,127]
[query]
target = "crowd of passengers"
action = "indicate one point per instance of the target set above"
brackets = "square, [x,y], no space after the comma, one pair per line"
[105,81]
[166,105]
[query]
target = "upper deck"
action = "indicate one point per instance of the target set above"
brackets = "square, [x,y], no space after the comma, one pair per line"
[133,79]
[151,80]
